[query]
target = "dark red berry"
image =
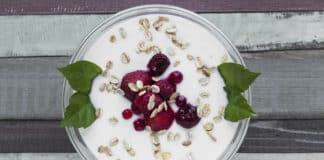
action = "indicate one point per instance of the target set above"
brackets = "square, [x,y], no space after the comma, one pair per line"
[132,77]
[187,116]
[175,77]
[127,114]
[158,64]
[181,101]
[139,124]
[166,88]
[162,120]
[135,109]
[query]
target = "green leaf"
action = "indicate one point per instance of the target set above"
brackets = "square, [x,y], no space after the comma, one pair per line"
[80,75]
[237,76]
[80,112]
[237,107]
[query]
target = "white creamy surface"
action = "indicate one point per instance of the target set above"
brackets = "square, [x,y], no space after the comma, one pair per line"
[202,44]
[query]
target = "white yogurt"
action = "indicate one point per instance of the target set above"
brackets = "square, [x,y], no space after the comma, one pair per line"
[202,44]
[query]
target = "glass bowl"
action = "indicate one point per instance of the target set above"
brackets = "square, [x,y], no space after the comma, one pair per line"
[74,134]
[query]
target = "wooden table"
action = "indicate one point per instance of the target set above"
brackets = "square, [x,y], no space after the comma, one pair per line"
[284,40]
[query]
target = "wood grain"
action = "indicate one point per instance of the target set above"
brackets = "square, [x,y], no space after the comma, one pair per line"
[238,156]
[10,7]
[290,87]
[264,136]
[61,35]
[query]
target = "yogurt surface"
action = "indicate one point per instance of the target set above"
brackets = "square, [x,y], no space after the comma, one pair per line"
[201,44]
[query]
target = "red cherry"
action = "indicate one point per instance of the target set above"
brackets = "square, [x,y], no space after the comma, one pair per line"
[181,101]
[139,124]
[127,114]
[175,77]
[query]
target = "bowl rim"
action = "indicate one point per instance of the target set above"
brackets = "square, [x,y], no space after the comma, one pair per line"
[76,138]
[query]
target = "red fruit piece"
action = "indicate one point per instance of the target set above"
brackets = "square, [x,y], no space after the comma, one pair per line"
[135,109]
[142,102]
[187,116]
[181,101]
[163,120]
[175,77]
[132,77]
[166,88]
[158,64]
[127,114]
[139,124]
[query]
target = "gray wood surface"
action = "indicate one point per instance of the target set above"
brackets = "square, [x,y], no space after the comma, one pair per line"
[264,136]
[60,35]
[238,156]
[290,87]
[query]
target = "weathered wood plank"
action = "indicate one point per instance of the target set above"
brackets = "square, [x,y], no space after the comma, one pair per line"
[238,156]
[9,7]
[290,86]
[264,136]
[61,35]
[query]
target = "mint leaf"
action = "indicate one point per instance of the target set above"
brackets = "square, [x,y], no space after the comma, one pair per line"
[237,107]
[80,75]
[237,76]
[80,112]
[237,79]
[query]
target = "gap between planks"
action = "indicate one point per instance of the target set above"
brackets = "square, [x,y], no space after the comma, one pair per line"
[238,156]
[57,35]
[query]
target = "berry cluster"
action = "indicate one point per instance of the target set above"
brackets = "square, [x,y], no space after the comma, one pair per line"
[186,116]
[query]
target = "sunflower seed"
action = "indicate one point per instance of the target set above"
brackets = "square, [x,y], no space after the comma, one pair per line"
[155,88]
[174,95]
[139,84]
[102,87]
[159,22]
[132,87]
[186,143]
[154,113]
[179,43]
[165,155]
[204,111]
[142,93]
[155,139]
[171,30]
[113,120]
[109,65]
[203,81]
[151,102]
[190,57]
[124,58]
[145,23]
[176,63]
[148,35]
[113,142]
[105,149]
[122,33]
[114,80]
[130,150]
[98,112]
[204,94]
[211,136]
[112,38]
[208,126]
